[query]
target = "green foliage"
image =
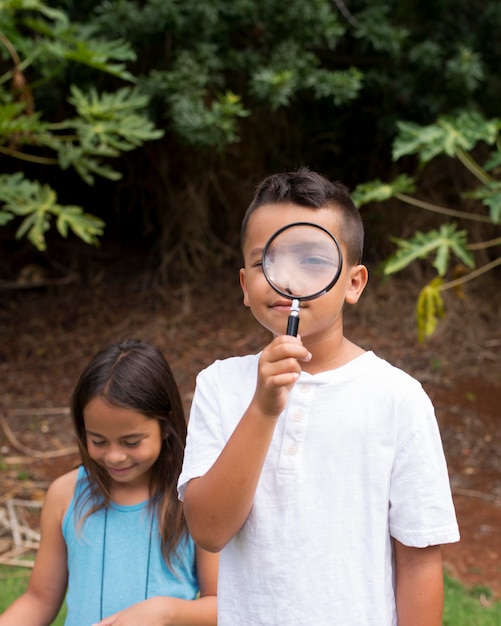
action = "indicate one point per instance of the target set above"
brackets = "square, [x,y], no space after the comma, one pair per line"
[207,126]
[37,204]
[438,242]
[54,39]
[377,191]
[104,125]
[335,75]
[242,88]
[490,195]
[455,137]
[448,135]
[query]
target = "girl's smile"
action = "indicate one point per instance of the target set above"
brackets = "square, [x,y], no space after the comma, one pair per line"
[118,471]
[124,442]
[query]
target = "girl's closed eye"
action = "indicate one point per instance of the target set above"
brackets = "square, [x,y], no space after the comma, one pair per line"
[132,444]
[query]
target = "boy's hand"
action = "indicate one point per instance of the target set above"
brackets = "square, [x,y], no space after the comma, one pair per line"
[278,370]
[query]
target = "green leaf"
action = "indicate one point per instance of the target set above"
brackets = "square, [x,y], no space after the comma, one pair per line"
[440,242]
[37,220]
[493,162]
[88,163]
[16,192]
[22,130]
[112,119]
[447,136]
[35,5]
[85,226]
[212,125]
[341,86]
[466,69]
[79,43]
[490,195]
[373,24]
[5,217]
[429,308]
[377,191]
[276,86]
[38,206]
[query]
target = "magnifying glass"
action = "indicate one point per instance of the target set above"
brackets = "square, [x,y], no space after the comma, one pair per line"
[301,261]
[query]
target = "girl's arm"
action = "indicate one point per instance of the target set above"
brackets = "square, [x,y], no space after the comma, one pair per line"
[167,611]
[41,602]
[419,585]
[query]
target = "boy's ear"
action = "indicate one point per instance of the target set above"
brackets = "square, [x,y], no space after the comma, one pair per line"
[244,286]
[357,281]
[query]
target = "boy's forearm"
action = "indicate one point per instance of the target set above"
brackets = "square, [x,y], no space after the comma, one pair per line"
[217,504]
[419,586]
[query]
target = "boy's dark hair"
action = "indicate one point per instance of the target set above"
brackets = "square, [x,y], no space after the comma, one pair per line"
[309,189]
[135,375]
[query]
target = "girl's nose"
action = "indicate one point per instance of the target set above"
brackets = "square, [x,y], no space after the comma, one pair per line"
[115,455]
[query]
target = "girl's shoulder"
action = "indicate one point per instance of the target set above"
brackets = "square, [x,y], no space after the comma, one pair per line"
[60,493]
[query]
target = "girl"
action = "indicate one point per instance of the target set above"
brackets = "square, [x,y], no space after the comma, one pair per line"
[113,535]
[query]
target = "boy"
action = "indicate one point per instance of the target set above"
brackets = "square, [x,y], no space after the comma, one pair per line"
[315,467]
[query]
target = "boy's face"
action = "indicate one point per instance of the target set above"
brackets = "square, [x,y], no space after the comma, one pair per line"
[318,317]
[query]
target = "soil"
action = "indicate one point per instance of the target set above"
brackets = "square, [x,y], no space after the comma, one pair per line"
[48,334]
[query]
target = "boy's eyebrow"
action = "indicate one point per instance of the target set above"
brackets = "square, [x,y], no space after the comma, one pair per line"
[256,252]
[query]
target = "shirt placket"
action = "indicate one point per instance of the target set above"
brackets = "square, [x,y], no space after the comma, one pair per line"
[296,422]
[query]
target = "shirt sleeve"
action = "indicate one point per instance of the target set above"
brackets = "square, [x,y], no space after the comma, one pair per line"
[421,509]
[205,438]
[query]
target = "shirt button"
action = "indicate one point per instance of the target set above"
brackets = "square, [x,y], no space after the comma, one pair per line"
[291,450]
[297,416]
[305,388]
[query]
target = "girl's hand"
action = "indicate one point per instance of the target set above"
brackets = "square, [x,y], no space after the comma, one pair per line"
[278,370]
[167,611]
[151,612]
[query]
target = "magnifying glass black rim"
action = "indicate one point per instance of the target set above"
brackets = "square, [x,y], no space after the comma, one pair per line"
[317,294]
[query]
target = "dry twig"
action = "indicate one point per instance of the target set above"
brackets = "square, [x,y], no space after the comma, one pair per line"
[13,521]
[473,493]
[12,439]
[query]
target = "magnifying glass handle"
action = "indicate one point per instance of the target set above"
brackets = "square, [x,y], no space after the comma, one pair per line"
[293,321]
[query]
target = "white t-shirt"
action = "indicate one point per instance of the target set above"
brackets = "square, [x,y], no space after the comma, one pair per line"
[356,458]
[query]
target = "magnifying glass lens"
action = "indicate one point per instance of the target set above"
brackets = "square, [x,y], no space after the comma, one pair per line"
[302,261]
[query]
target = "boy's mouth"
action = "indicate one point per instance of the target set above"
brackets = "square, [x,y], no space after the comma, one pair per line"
[282,305]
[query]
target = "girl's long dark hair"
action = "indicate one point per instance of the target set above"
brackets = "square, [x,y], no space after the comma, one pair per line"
[135,375]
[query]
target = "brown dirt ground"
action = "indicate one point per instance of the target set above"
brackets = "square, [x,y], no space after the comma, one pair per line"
[47,335]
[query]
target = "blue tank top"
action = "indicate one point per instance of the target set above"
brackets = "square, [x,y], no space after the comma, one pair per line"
[113,562]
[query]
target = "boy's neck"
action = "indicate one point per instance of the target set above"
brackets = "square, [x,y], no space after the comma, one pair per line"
[330,355]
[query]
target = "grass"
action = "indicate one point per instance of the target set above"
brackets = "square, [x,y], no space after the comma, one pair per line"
[13,582]
[469,607]
[463,607]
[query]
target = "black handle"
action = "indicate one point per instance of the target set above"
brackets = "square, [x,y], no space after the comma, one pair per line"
[292,324]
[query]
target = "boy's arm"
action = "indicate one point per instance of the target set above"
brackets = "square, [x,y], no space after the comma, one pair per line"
[419,585]
[217,504]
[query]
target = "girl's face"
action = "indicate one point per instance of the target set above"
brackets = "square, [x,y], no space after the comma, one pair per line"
[122,441]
